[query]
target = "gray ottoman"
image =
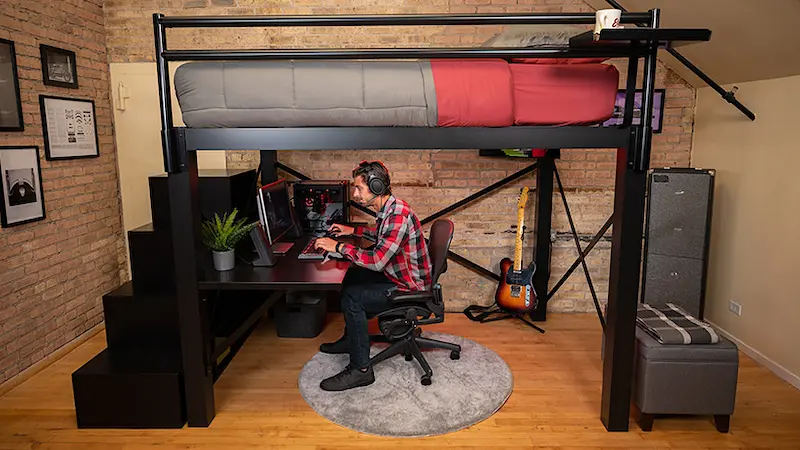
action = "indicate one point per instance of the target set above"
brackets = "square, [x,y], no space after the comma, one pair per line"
[685,379]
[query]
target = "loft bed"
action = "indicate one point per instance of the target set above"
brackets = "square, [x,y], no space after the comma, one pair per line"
[221,116]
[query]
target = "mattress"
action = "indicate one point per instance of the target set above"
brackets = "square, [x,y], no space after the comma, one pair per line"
[306,93]
[419,93]
[556,94]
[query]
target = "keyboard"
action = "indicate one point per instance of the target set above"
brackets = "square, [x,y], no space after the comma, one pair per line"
[311,253]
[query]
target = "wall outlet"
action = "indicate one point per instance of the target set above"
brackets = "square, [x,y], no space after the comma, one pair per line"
[735,308]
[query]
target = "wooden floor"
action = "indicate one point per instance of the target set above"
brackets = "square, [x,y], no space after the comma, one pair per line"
[555,402]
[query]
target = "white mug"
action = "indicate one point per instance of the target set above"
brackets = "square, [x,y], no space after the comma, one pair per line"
[607,18]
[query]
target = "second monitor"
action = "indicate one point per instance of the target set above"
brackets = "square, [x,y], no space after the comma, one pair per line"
[275,215]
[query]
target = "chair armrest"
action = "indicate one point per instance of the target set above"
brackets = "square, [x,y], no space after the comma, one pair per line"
[411,297]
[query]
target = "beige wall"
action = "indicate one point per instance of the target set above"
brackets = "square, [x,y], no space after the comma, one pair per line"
[134,89]
[756,220]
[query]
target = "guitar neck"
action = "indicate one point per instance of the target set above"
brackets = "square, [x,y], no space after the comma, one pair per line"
[518,245]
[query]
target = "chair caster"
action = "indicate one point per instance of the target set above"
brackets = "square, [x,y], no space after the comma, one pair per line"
[455,355]
[426,380]
[409,357]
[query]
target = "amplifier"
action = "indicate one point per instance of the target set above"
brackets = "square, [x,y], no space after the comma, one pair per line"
[677,236]
[320,203]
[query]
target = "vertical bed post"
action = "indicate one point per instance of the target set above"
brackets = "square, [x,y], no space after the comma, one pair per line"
[269,168]
[626,248]
[182,181]
[198,378]
[542,224]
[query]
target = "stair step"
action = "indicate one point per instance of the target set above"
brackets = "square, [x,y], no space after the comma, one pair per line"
[130,390]
[142,320]
[152,267]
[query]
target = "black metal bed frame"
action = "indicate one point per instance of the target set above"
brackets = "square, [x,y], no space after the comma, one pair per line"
[633,143]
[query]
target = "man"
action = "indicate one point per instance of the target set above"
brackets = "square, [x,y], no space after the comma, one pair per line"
[399,260]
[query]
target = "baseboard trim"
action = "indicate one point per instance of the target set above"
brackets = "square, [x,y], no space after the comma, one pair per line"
[59,353]
[760,358]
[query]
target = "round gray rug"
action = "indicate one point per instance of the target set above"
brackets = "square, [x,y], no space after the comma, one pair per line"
[464,391]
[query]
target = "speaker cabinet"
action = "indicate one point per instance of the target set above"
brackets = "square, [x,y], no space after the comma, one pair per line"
[677,234]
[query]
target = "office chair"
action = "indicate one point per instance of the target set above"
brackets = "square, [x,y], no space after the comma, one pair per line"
[400,324]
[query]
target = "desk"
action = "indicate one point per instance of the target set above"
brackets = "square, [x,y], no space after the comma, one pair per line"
[201,368]
[289,273]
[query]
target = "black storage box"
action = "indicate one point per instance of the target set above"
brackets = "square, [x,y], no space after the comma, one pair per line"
[302,315]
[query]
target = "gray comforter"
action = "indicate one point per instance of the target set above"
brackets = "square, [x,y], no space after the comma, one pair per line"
[306,93]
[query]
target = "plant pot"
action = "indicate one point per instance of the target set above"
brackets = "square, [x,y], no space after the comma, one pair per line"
[224,260]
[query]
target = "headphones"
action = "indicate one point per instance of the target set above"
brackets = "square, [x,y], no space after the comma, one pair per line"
[378,184]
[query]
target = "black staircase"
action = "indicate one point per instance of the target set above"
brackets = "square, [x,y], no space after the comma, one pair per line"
[137,382]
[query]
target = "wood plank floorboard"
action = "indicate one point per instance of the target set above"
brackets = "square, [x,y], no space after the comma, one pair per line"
[555,403]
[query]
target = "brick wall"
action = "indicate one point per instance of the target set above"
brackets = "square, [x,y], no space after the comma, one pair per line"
[430,180]
[53,272]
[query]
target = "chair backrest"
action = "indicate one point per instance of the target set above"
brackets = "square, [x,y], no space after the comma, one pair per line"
[439,245]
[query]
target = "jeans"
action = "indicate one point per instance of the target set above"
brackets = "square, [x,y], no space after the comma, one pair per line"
[364,295]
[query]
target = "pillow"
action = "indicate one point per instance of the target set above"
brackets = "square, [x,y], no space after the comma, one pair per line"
[535,36]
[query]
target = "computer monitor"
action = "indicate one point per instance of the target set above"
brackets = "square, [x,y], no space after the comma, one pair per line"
[321,203]
[275,210]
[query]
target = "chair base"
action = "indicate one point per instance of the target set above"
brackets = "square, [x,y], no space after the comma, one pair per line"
[411,347]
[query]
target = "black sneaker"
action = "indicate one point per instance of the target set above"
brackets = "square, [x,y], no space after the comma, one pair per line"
[348,378]
[339,347]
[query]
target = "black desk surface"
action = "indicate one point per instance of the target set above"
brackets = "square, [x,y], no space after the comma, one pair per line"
[288,273]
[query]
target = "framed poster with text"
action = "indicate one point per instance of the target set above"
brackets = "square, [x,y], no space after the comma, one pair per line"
[69,128]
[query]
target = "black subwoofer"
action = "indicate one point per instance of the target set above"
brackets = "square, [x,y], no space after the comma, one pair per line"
[677,235]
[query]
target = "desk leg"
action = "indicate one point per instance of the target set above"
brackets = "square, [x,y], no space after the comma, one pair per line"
[197,375]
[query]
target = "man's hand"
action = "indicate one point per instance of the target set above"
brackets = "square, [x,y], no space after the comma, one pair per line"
[341,230]
[327,244]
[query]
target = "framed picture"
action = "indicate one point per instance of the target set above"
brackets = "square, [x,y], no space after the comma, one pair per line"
[58,67]
[10,102]
[23,199]
[69,128]
[619,109]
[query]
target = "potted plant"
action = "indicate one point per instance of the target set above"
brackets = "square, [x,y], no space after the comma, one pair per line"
[222,235]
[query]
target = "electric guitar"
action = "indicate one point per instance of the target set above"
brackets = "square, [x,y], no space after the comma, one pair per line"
[515,292]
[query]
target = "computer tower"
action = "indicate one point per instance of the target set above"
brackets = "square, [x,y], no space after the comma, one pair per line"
[677,235]
[320,203]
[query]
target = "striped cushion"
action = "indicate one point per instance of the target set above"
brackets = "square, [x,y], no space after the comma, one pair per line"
[673,325]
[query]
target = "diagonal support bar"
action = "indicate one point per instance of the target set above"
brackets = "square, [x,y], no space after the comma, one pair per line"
[582,255]
[291,171]
[580,251]
[481,193]
[472,266]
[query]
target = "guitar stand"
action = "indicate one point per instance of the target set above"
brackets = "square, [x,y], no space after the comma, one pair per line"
[483,317]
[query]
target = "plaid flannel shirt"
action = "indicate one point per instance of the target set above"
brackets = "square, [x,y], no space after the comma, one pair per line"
[400,249]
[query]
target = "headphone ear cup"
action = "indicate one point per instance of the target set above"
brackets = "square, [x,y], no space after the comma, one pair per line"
[376,185]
